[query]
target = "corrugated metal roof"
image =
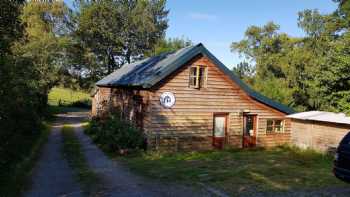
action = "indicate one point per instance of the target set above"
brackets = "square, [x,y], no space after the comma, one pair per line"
[150,71]
[142,72]
[322,116]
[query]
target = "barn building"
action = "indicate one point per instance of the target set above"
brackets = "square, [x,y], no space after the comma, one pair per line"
[188,100]
[319,130]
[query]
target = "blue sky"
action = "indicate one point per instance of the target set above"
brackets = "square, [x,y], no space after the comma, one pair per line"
[218,23]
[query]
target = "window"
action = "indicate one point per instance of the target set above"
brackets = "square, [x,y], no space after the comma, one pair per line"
[198,77]
[274,126]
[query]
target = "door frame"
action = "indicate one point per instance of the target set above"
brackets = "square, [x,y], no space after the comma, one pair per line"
[220,114]
[255,129]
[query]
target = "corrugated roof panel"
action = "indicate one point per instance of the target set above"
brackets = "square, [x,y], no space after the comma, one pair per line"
[140,72]
[322,116]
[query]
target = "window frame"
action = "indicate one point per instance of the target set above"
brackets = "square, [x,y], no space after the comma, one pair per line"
[273,126]
[199,78]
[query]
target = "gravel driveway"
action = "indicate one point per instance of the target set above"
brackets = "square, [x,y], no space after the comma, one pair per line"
[117,180]
[52,175]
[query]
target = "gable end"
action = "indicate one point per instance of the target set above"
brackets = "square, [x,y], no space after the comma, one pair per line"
[200,49]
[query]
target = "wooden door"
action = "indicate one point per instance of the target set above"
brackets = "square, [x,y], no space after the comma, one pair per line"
[249,130]
[220,129]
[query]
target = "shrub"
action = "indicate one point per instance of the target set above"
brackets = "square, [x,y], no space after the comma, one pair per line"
[114,134]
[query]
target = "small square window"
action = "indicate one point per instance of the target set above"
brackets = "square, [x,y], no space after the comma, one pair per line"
[274,126]
[198,77]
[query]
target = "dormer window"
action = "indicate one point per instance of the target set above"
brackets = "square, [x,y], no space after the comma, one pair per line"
[198,77]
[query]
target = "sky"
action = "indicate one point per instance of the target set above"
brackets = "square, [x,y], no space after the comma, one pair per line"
[218,23]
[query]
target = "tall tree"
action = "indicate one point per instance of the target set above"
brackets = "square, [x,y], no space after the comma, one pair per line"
[31,51]
[116,32]
[10,26]
[306,73]
[10,31]
[170,44]
[48,29]
[269,50]
[244,70]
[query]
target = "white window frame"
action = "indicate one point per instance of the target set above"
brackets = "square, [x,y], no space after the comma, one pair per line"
[274,126]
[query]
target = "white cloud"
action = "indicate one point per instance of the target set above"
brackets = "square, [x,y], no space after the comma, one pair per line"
[202,16]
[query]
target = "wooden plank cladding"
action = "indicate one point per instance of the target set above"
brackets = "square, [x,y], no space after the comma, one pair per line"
[196,107]
[202,89]
[321,136]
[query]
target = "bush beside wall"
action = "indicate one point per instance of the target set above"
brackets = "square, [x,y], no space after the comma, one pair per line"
[114,134]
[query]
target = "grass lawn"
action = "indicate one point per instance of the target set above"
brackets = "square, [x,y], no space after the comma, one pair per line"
[241,171]
[73,153]
[66,96]
[62,100]
[18,156]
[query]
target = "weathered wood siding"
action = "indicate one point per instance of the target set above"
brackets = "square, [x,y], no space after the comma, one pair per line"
[94,106]
[131,104]
[192,114]
[100,101]
[321,136]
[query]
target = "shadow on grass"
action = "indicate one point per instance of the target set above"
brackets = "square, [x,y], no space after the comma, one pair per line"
[279,169]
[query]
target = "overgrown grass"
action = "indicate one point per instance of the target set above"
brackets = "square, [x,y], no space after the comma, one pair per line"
[240,171]
[67,97]
[62,100]
[73,153]
[18,160]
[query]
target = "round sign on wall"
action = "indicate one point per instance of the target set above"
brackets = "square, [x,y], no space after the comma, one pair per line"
[167,99]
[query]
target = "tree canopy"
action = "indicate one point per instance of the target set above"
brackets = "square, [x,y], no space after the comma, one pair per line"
[117,32]
[170,44]
[307,73]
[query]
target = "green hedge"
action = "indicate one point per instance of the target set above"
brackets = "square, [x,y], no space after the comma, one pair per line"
[115,134]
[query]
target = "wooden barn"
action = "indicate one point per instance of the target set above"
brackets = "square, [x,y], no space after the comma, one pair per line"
[319,130]
[188,100]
